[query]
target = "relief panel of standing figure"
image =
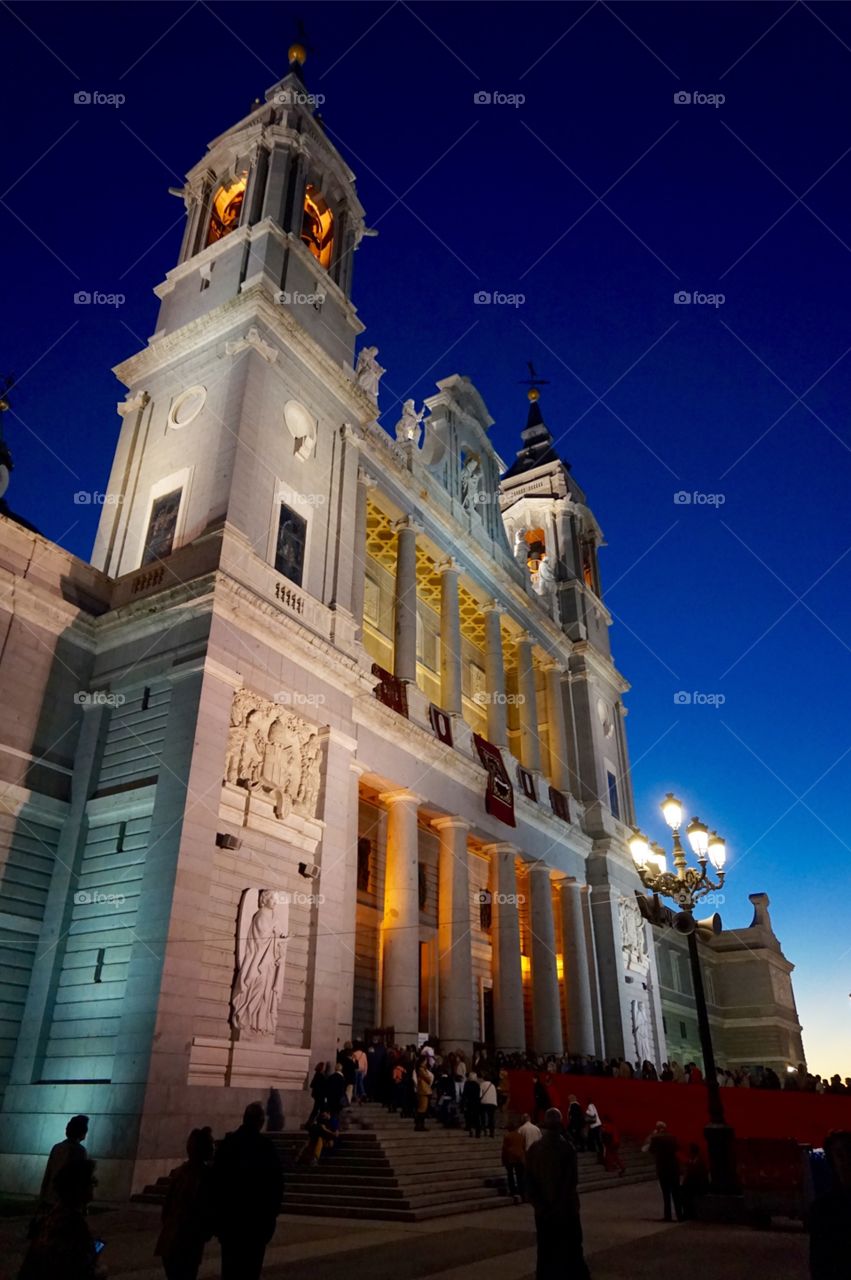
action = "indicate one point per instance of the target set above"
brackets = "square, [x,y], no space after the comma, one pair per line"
[261,943]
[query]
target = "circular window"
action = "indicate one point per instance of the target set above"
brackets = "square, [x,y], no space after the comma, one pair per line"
[187,406]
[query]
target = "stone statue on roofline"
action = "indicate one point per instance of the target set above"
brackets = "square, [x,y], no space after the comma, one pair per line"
[409,426]
[368,372]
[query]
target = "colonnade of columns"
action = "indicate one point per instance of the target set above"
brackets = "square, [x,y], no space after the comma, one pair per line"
[405,660]
[456,1021]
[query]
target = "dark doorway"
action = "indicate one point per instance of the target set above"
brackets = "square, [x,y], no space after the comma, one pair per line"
[487,1010]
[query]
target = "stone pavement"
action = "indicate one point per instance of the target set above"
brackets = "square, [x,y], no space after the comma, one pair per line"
[625,1240]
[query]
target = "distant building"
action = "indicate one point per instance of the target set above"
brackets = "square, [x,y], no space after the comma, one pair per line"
[748,983]
[328,739]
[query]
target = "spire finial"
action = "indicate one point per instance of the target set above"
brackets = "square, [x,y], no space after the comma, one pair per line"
[297,52]
[534,383]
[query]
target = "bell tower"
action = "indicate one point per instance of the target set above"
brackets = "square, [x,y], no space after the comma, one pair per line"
[236,408]
[556,540]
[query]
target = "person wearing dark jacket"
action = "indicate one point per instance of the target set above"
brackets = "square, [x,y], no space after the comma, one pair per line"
[471,1096]
[831,1213]
[335,1091]
[62,1154]
[248,1187]
[663,1147]
[187,1213]
[551,1188]
[540,1099]
[317,1093]
[62,1247]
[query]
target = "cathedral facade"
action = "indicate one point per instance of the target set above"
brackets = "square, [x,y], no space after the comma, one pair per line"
[327,741]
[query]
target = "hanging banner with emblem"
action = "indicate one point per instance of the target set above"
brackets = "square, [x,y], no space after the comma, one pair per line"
[499,798]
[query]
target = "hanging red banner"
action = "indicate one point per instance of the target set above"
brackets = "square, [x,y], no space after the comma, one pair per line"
[391,690]
[499,798]
[441,723]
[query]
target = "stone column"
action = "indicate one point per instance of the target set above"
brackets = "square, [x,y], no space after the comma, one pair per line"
[365,483]
[495,676]
[400,931]
[455,959]
[450,640]
[349,912]
[530,743]
[405,620]
[508,1020]
[559,766]
[577,974]
[546,1006]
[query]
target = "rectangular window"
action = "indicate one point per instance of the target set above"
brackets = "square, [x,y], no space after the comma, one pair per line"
[664,1024]
[161,526]
[614,803]
[289,549]
[364,863]
[683,1032]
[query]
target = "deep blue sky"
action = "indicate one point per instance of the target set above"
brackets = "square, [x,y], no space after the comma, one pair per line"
[749,599]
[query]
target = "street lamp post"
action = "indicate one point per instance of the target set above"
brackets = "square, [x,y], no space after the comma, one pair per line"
[686,885]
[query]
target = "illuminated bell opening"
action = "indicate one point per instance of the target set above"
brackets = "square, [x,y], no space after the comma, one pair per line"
[672,810]
[317,226]
[227,207]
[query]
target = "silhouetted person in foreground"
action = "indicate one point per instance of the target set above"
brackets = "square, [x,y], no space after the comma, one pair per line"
[830,1215]
[695,1182]
[551,1188]
[187,1215]
[248,1185]
[663,1147]
[62,1247]
[62,1154]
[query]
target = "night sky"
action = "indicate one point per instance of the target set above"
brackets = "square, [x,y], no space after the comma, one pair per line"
[596,200]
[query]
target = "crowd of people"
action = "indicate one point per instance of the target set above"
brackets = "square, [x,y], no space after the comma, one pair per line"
[233,1189]
[797,1079]
[415,1083]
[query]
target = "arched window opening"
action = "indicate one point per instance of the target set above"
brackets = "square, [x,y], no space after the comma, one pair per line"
[227,206]
[317,226]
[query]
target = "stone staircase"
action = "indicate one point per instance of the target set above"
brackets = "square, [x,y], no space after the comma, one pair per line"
[381,1169]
